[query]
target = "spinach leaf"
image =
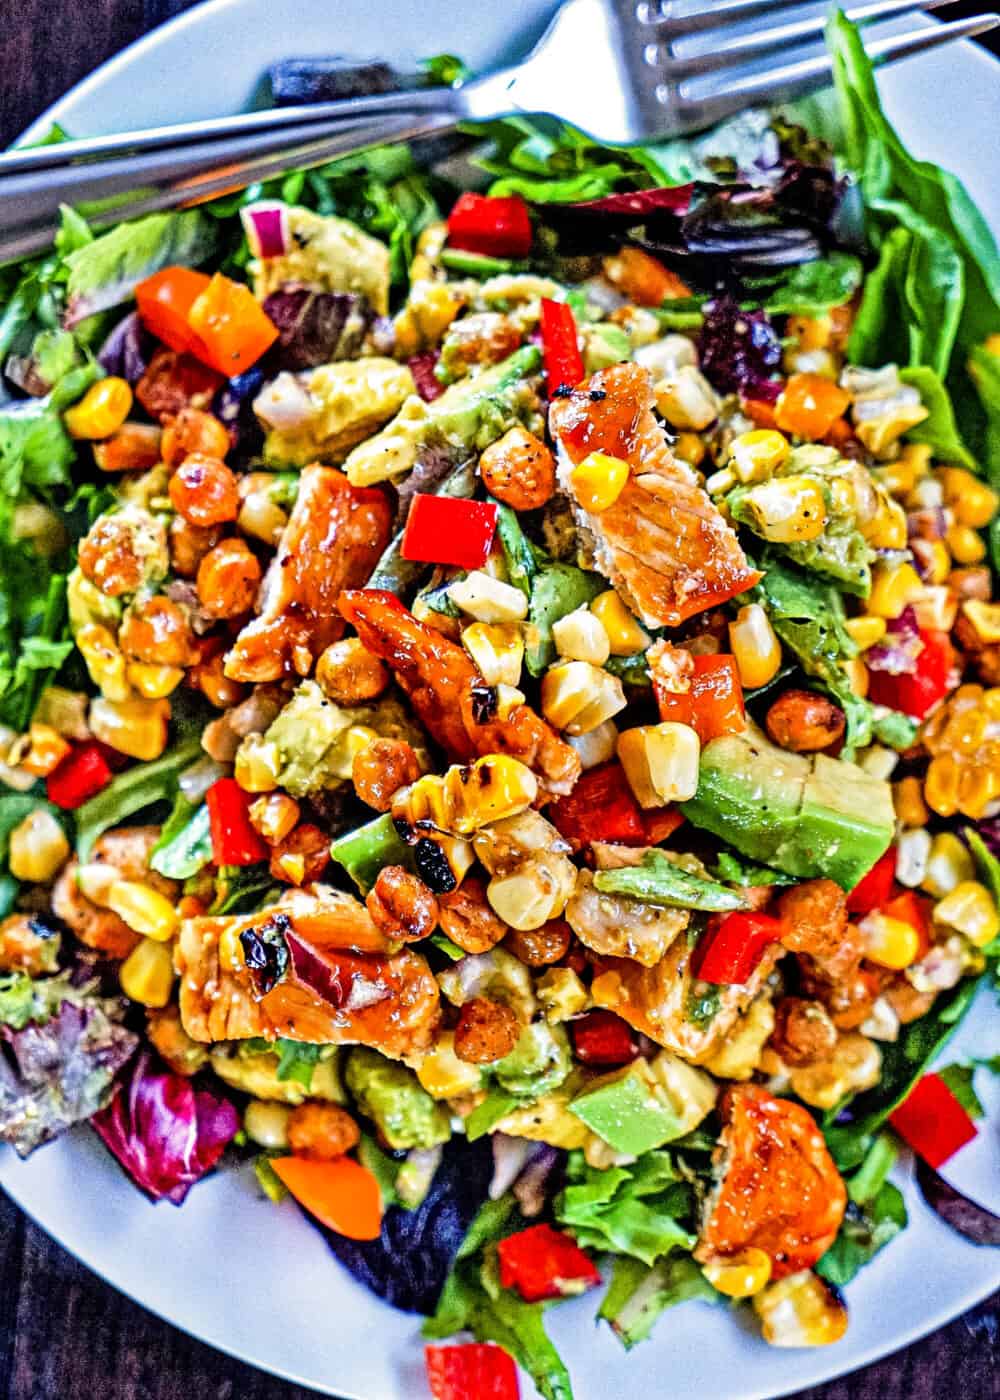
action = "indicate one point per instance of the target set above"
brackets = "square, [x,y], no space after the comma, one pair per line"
[179,854]
[958,1078]
[645,1210]
[638,1295]
[939,429]
[659,880]
[131,792]
[812,288]
[876,1212]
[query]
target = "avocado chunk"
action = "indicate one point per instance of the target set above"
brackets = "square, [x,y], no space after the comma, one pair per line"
[540,1061]
[628,1110]
[809,817]
[392,1097]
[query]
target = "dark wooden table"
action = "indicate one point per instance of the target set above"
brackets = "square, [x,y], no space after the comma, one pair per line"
[64,1334]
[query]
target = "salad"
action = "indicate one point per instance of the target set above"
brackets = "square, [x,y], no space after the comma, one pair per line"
[500,688]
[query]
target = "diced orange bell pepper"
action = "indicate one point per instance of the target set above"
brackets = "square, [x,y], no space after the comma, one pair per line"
[760,413]
[809,406]
[165,300]
[714,704]
[342,1194]
[232,328]
[643,278]
[839,433]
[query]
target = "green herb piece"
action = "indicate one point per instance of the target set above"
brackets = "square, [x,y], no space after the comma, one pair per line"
[659,880]
[131,792]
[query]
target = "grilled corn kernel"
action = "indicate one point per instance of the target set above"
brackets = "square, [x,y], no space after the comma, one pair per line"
[787,509]
[147,974]
[487,599]
[887,527]
[94,880]
[274,816]
[497,649]
[966,545]
[755,455]
[444,1075]
[258,764]
[857,675]
[598,481]
[690,448]
[597,746]
[882,430]
[105,663]
[581,636]
[101,411]
[970,909]
[917,458]
[530,895]
[261,518]
[889,942]
[625,635]
[949,864]
[577,696]
[153,682]
[913,850]
[231,949]
[561,994]
[686,399]
[719,483]
[753,642]
[936,608]
[660,762]
[355,741]
[971,500]
[908,800]
[879,761]
[893,589]
[942,783]
[985,619]
[266,1123]
[739,1275]
[135,727]
[468,797]
[811,332]
[801,1310]
[46,750]
[865,631]
[144,909]
[38,847]
[926,495]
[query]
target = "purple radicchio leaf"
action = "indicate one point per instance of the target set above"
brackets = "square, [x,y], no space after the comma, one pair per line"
[315,327]
[429,387]
[739,350]
[899,650]
[989,830]
[233,406]
[165,1132]
[128,349]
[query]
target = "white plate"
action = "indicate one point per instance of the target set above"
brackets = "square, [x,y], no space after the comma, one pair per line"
[201,1267]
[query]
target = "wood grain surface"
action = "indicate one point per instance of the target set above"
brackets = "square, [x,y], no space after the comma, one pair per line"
[66,1335]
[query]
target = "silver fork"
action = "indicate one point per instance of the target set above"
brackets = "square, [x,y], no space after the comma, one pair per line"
[623,71]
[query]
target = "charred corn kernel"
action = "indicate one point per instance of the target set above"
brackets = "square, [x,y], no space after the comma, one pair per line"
[893,589]
[754,644]
[598,481]
[258,764]
[46,750]
[971,500]
[719,483]
[147,974]
[529,896]
[581,636]
[811,332]
[577,696]
[913,851]
[966,545]
[487,599]
[942,783]
[497,649]
[755,455]
[231,949]
[38,847]
[274,816]
[887,527]
[908,800]
[916,456]
[950,864]
[865,631]
[660,762]
[686,399]
[292,865]
[135,727]
[787,509]
[469,796]
[266,1123]
[561,994]
[625,635]
[926,495]
[104,661]
[889,942]
[739,1275]
[985,619]
[936,608]
[597,746]
[970,909]
[690,448]
[153,682]
[857,675]
[802,1310]
[444,1075]
[94,880]
[144,909]
[101,411]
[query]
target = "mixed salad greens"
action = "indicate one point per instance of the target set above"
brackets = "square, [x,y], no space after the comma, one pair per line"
[500,695]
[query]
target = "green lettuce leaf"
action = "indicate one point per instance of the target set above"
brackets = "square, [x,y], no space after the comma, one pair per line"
[645,1210]
[131,792]
[812,288]
[638,1294]
[182,851]
[940,429]
[659,880]
[876,1213]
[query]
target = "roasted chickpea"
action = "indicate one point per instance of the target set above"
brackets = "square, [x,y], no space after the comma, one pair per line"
[302,856]
[156,630]
[486,1031]
[172,1042]
[321,1131]
[468,920]
[109,557]
[540,947]
[193,432]
[228,579]
[401,905]
[815,918]
[215,685]
[350,674]
[27,945]
[804,722]
[204,491]
[519,470]
[381,769]
[189,544]
[803,1031]
[971,583]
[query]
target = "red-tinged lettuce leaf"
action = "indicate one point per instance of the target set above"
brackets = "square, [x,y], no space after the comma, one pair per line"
[429,387]
[638,204]
[128,349]
[315,327]
[740,350]
[165,1132]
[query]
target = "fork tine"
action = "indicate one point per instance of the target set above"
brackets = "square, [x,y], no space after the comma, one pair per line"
[696,110]
[787,36]
[718,14]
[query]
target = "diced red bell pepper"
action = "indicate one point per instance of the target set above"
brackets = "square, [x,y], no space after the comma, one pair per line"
[81,774]
[731,947]
[544,1263]
[913,909]
[933,1121]
[498,226]
[234,839]
[446,530]
[602,1038]
[475,1371]
[714,704]
[916,694]
[560,351]
[660,822]
[873,889]
[602,807]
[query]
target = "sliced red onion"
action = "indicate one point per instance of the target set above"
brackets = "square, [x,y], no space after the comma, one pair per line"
[675,198]
[429,387]
[337,983]
[898,652]
[530,1188]
[969,1218]
[510,1155]
[266,228]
